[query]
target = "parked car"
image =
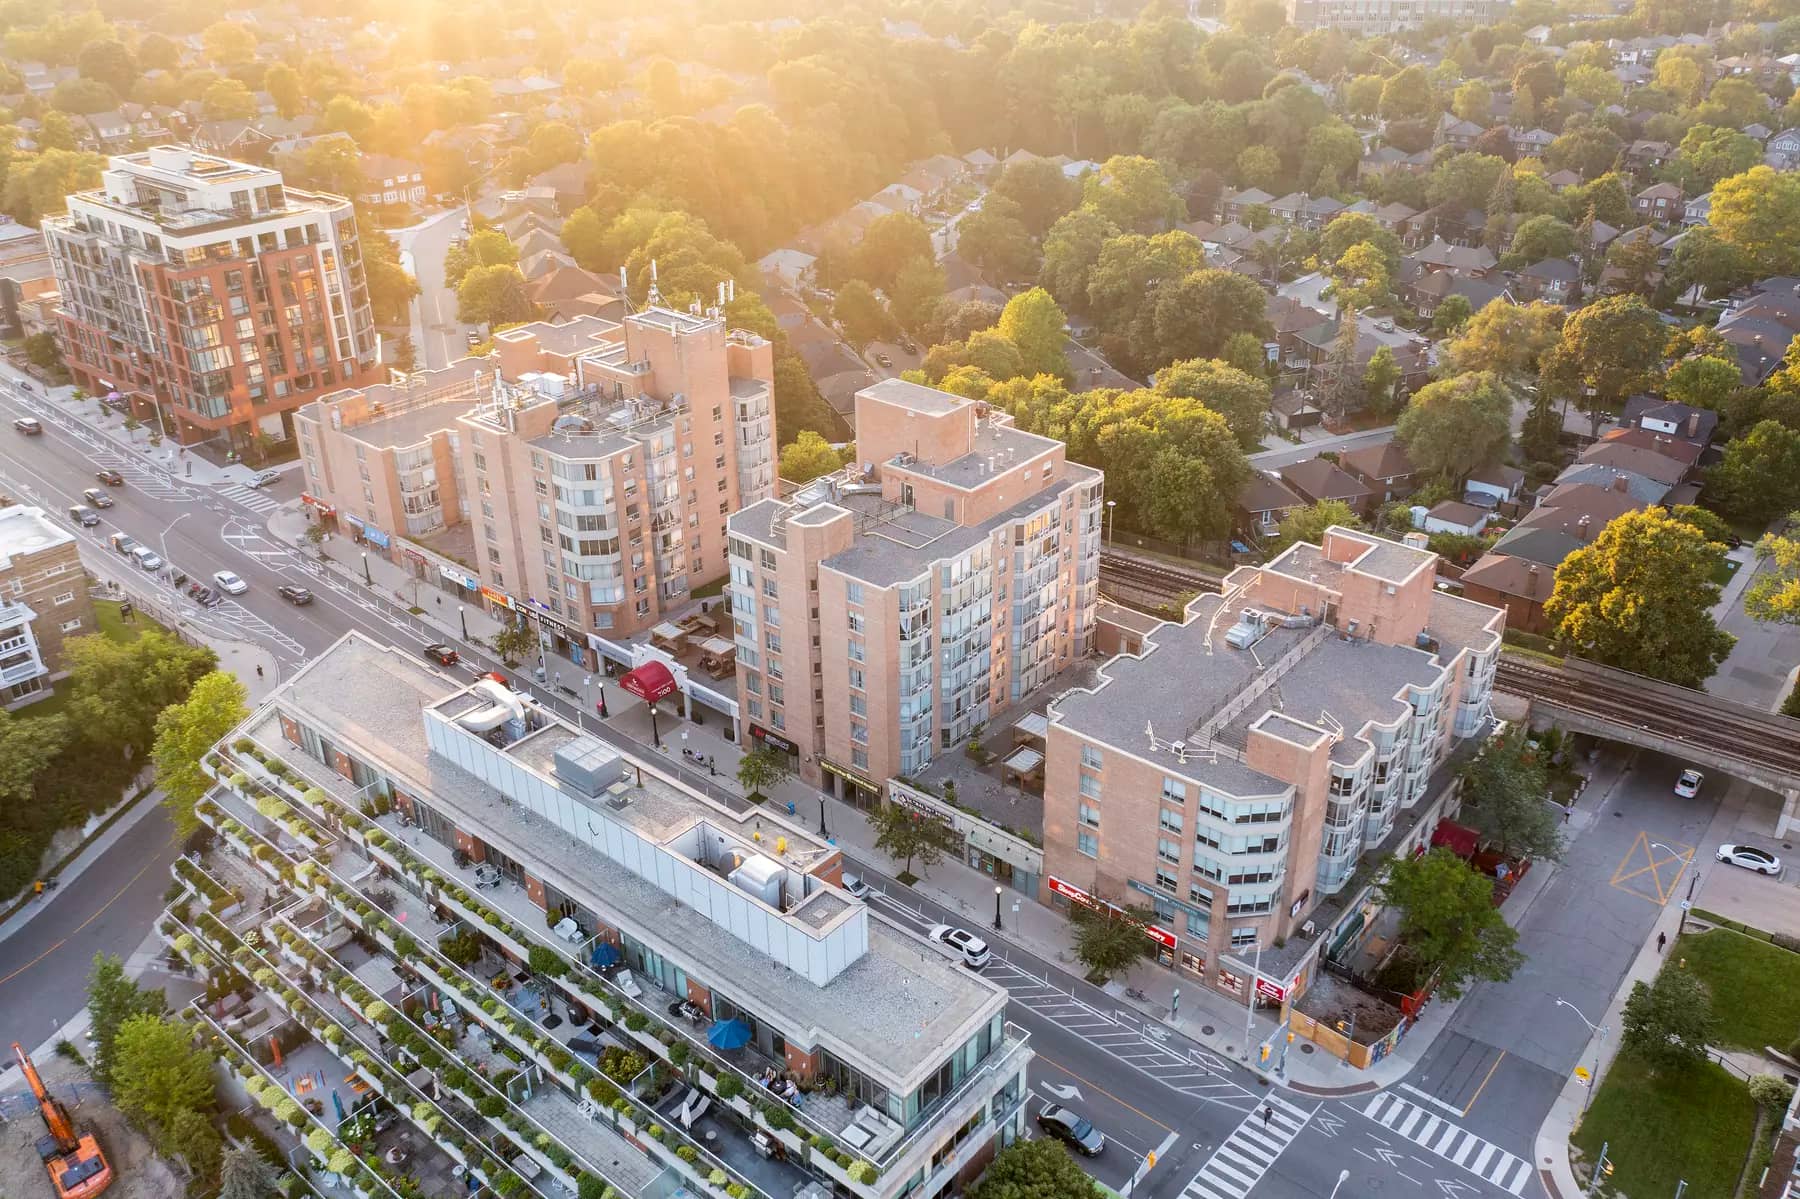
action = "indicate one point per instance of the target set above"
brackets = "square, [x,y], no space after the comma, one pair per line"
[29,425]
[228,582]
[1070,1128]
[474,338]
[84,516]
[146,557]
[1750,858]
[855,885]
[206,597]
[1688,785]
[97,498]
[110,477]
[884,361]
[263,478]
[973,949]
[440,653]
[122,544]
[297,596]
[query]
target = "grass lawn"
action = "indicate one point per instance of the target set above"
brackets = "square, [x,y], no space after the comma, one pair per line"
[1755,986]
[1695,1125]
[106,612]
[1722,571]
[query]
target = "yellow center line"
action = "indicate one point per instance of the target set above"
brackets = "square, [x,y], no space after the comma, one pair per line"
[98,912]
[1484,1082]
[1102,1090]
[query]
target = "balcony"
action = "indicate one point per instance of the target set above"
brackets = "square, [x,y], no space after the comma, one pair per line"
[14,613]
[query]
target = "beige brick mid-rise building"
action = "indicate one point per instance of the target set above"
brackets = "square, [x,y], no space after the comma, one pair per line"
[1230,775]
[882,614]
[208,293]
[43,602]
[594,463]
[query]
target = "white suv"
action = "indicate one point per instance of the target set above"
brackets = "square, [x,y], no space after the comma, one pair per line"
[973,949]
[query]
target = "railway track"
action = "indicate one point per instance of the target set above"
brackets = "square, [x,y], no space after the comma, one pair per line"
[1684,716]
[1152,578]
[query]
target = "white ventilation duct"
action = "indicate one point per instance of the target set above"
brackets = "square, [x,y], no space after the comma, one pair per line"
[505,706]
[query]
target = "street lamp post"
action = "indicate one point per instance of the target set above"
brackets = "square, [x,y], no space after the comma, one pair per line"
[822,831]
[1342,1175]
[368,579]
[462,615]
[163,540]
[1250,1003]
[998,891]
[1110,506]
[1600,1032]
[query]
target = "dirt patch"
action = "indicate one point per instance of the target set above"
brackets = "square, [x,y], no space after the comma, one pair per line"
[138,1172]
[1329,1000]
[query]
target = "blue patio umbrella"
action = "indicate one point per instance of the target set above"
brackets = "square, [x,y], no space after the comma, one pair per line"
[728,1034]
[605,954]
[338,1105]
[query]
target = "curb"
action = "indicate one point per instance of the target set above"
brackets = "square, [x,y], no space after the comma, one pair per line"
[55,870]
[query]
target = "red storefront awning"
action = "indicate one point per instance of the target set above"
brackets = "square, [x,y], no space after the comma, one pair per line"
[649,682]
[1460,840]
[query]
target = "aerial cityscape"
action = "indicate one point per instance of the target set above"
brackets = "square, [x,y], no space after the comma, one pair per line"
[972,599]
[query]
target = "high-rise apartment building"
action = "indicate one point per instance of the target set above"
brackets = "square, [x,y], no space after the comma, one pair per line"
[1231,773]
[885,612]
[594,463]
[43,601]
[211,295]
[1370,18]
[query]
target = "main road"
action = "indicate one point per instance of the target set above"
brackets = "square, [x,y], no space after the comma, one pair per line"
[1219,1132]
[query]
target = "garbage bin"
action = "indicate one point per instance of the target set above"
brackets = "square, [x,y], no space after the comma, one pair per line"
[790,807]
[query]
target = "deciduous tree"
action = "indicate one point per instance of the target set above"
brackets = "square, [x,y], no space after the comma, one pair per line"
[1448,921]
[1774,594]
[1756,214]
[888,245]
[1071,250]
[1669,1021]
[1133,193]
[1032,321]
[1109,941]
[1040,189]
[112,999]
[163,1082]
[807,457]
[1607,350]
[1242,399]
[494,295]
[1704,381]
[1505,798]
[1308,524]
[1639,597]
[1760,473]
[910,836]
[1454,426]
[1034,1169]
[485,247]
[1507,339]
[185,733]
[862,314]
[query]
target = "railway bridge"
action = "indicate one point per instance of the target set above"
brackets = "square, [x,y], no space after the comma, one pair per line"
[1585,697]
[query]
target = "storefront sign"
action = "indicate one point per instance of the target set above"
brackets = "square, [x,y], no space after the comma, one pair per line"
[773,740]
[413,554]
[1270,991]
[1161,936]
[315,502]
[496,597]
[1299,901]
[375,536]
[460,578]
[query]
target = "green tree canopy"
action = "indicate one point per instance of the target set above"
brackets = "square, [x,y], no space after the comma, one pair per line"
[1505,798]
[1448,921]
[1507,339]
[1454,426]
[1759,476]
[1774,594]
[1032,321]
[1242,399]
[888,245]
[1308,524]
[1109,941]
[494,295]
[185,732]
[1668,1022]
[112,999]
[164,1083]
[1756,213]
[1133,193]
[485,247]
[807,457]
[997,241]
[1043,194]
[1639,597]
[1039,1168]
[863,315]
[1607,350]
[122,687]
[909,836]
[1071,251]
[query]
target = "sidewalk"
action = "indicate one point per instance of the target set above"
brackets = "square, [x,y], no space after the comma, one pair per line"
[1552,1146]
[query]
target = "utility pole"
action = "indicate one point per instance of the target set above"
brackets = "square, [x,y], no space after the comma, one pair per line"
[1600,1167]
[1250,1003]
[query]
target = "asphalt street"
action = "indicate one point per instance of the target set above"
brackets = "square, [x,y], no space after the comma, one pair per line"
[1146,1088]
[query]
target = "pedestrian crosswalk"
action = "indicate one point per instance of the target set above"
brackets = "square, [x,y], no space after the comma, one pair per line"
[1239,1163]
[1451,1142]
[249,497]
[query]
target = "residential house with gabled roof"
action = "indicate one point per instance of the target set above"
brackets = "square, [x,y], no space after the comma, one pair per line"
[1646,155]
[390,180]
[1553,280]
[1431,288]
[1783,150]
[1441,255]
[1262,502]
[1563,179]
[1391,158]
[1319,479]
[1697,211]
[1660,202]
[1384,469]
[1532,143]
[1238,204]
[1455,132]
[1671,419]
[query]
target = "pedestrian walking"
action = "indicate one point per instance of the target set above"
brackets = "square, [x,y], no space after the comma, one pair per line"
[1662,939]
[259,673]
[1268,1112]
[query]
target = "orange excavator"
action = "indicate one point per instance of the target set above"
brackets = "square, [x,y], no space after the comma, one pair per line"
[77,1168]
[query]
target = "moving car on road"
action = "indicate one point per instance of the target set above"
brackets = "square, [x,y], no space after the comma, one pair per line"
[146,557]
[973,949]
[229,583]
[1750,858]
[440,653]
[110,477]
[29,425]
[857,887]
[97,498]
[263,478]
[297,596]
[84,516]
[1688,785]
[1071,1129]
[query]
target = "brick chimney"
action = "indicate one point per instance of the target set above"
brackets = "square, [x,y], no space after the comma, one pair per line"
[1582,526]
[1693,425]
[1618,484]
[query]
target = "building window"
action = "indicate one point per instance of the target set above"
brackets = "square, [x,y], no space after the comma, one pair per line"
[66,597]
[1088,844]
[1166,879]
[1243,938]
[1092,758]
[853,593]
[859,758]
[69,626]
[1170,821]
[1090,786]
[1174,791]
[1167,850]
[1089,815]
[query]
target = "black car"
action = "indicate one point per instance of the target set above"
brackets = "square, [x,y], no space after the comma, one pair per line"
[1070,1128]
[97,498]
[440,653]
[110,477]
[84,516]
[297,596]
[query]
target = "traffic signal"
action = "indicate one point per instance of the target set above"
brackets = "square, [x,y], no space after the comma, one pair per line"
[1150,1159]
[1265,1053]
[1290,1036]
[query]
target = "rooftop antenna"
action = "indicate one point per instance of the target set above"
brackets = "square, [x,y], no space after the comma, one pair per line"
[655,296]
